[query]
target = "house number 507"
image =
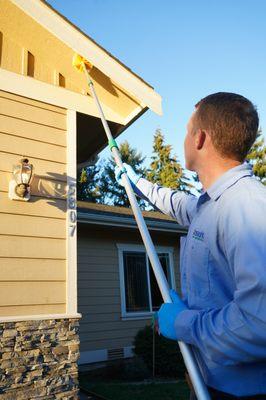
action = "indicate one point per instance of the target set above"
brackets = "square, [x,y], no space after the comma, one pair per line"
[72,209]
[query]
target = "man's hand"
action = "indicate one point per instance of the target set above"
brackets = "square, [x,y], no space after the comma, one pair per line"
[168,314]
[130,173]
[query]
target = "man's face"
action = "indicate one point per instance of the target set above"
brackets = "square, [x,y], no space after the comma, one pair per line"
[190,145]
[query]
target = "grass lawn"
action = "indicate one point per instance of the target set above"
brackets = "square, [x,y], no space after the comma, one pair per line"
[138,391]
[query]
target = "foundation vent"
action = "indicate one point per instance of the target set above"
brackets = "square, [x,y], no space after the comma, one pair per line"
[115,354]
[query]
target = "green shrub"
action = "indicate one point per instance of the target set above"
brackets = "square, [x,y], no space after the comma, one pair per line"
[168,359]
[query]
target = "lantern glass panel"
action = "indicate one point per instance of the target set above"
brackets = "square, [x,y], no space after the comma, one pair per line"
[22,173]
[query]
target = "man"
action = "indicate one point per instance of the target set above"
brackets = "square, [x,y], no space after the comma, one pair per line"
[222,313]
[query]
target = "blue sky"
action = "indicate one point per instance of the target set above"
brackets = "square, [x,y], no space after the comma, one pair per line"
[185,49]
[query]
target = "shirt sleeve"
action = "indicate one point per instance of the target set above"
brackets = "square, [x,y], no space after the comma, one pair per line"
[176,204]
[236,333]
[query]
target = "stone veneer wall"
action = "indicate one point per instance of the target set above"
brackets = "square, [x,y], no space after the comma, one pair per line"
[38,359]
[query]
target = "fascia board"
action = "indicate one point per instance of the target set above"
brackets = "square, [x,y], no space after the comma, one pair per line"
[82,45]
[126,222]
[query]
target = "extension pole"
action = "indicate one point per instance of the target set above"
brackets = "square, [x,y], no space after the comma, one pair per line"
[187,353]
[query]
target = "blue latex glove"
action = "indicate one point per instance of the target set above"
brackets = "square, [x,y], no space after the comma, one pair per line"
[168,314]
[130,173]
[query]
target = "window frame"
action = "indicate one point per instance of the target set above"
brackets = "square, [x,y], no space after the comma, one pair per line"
[122,247]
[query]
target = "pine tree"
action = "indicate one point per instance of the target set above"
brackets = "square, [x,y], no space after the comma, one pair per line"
[112,192]
[88,184]
[257,158]
[165,169]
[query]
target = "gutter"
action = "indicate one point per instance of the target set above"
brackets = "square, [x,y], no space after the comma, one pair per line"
[129,222]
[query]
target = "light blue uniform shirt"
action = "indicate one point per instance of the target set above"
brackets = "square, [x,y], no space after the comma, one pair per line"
[223,277]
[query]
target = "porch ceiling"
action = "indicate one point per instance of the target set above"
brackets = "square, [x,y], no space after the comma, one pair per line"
[91,138]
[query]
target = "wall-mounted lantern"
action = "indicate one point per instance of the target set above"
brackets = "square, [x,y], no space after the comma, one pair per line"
[19,186]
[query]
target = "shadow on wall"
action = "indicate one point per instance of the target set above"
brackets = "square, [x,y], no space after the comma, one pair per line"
[103,81]
[53,187]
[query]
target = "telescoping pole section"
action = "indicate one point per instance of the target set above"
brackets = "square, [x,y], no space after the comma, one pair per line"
[188,356]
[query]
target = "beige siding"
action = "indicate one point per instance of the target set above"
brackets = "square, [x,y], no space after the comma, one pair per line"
[31,112]
[19,269]
[39,207]
[101,326]
[35,292]
[31,147]
[25,225]
[33,234]
[32,309]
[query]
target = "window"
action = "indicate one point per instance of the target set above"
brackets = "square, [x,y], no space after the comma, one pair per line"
[140,294]
[30,65]
[1,46]
[61,80]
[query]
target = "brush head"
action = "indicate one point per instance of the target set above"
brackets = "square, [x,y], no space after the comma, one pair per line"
[78,62]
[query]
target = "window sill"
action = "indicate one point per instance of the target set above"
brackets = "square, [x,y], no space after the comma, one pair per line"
[136,317]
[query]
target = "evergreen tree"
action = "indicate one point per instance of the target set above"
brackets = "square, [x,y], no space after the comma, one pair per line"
[257,158]
[165,169]
[88,184]
[112,192]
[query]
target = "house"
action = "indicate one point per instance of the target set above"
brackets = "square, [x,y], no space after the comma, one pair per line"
[48,117]
[117,291]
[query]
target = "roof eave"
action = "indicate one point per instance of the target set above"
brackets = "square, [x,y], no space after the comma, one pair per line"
[65,31]
[128,222]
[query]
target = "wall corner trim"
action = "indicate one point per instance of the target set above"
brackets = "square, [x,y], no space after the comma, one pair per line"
[71,223]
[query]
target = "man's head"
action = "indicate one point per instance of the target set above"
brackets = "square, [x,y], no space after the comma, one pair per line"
[224,124]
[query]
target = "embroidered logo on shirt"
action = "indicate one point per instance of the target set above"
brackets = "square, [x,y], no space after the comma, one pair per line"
[198,235]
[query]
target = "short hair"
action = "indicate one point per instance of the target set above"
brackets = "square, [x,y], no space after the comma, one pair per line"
[232,122]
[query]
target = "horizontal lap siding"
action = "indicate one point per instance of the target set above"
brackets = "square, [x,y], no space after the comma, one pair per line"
[35,292]
[105,334]
[31,247]
[101,326]
[99,300]
[41,150]
[32,111]
[24,225]
[33,234]
[25,270]
[32,309]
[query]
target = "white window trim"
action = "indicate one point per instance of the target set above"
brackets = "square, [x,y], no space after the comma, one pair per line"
[135,247]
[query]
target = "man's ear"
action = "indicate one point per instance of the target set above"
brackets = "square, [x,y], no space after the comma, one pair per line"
[200,139]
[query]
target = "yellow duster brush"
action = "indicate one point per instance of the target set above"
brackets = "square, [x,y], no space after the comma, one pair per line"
[79,62]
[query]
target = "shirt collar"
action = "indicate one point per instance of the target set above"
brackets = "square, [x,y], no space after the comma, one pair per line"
[228,179]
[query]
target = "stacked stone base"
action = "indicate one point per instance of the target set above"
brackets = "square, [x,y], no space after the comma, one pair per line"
[38,359]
